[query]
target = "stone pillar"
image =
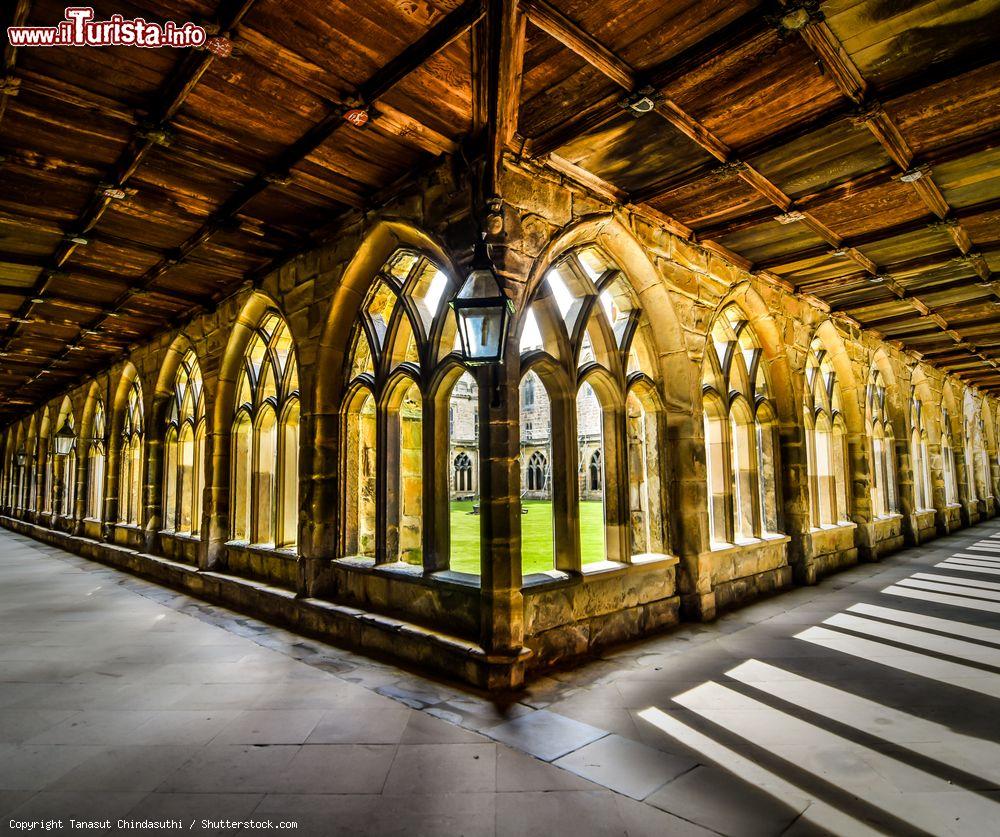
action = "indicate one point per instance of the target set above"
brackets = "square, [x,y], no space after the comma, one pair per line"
[502,605]
[82,482]
[859,472]
[938,493]
[111,483]
[903,456]
[216,503]
[152,505]
[319,498]
[685,435]
[970,508]
[794,496]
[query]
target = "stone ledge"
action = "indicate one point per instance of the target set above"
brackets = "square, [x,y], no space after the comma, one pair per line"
[335,623]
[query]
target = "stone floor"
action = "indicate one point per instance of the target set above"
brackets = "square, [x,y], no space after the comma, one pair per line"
[867,704]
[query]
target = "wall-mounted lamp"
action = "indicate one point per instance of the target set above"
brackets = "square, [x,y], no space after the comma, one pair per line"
[64,438]
[483,311]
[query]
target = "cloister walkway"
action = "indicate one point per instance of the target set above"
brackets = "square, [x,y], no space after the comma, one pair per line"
[866,704]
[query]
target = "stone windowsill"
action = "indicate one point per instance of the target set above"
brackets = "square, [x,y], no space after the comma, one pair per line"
[262,549]
[181,536]
[748,543]
[887,517]
[414,573]
[833,527]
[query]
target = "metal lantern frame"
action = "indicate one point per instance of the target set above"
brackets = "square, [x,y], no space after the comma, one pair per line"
[481,306]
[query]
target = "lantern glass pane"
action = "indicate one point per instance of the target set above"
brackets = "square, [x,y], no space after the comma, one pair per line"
[481,331]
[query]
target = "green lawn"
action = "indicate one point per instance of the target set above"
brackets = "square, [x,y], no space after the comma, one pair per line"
[536,536]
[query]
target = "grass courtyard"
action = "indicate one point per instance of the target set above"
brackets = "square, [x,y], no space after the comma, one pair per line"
[536,536]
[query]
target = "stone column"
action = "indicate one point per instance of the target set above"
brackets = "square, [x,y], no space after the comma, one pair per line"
[938,493]
[859,465]
[216,501]
[502,605]
[685,435]
[903,456]
[152,506]
[793,482]
[970,507]
[319,498]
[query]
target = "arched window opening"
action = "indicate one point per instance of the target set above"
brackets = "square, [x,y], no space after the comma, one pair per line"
[184,450]
[590,441]
[265,439]
[405,332]
[242,440]
[879,429]
[645,513]
[410,499]
[537,532]
[463,452]
[586,327]
[923,496]
[96,459]
[360,476]
[740,435]
[717,469]
[131,459]
[596,472]
[826,440]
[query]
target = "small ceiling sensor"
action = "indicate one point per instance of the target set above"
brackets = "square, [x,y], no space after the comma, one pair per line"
[911,176]
[640,102]
[37,300]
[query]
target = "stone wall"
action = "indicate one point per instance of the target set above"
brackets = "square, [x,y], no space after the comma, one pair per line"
[680,285]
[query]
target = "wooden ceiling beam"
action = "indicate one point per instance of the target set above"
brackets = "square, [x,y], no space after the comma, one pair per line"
[501,65]
[882,235]
[732,35]
[167,101]
[849,79]
[382,80]
[553,22]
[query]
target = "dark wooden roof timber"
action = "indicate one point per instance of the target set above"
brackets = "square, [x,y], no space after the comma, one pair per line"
[847,151]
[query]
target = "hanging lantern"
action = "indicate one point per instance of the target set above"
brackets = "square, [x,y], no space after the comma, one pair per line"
[65,438]
[483,311]
[22,458]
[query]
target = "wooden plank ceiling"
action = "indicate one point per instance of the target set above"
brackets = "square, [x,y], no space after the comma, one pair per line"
[846,149]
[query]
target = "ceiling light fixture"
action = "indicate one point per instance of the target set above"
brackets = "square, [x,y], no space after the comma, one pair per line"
[640,102]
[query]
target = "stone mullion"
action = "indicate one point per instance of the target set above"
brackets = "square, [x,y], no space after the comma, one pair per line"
[616,522]
[435,464]
[387,487]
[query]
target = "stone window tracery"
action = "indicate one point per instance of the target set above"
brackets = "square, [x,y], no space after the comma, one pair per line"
[586,361]
[948,460]
[96,464]
[923,494]
[265,439]
[826,440]
[740,434]
[130,468]
[879,428]
[403,375]
[184,450]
